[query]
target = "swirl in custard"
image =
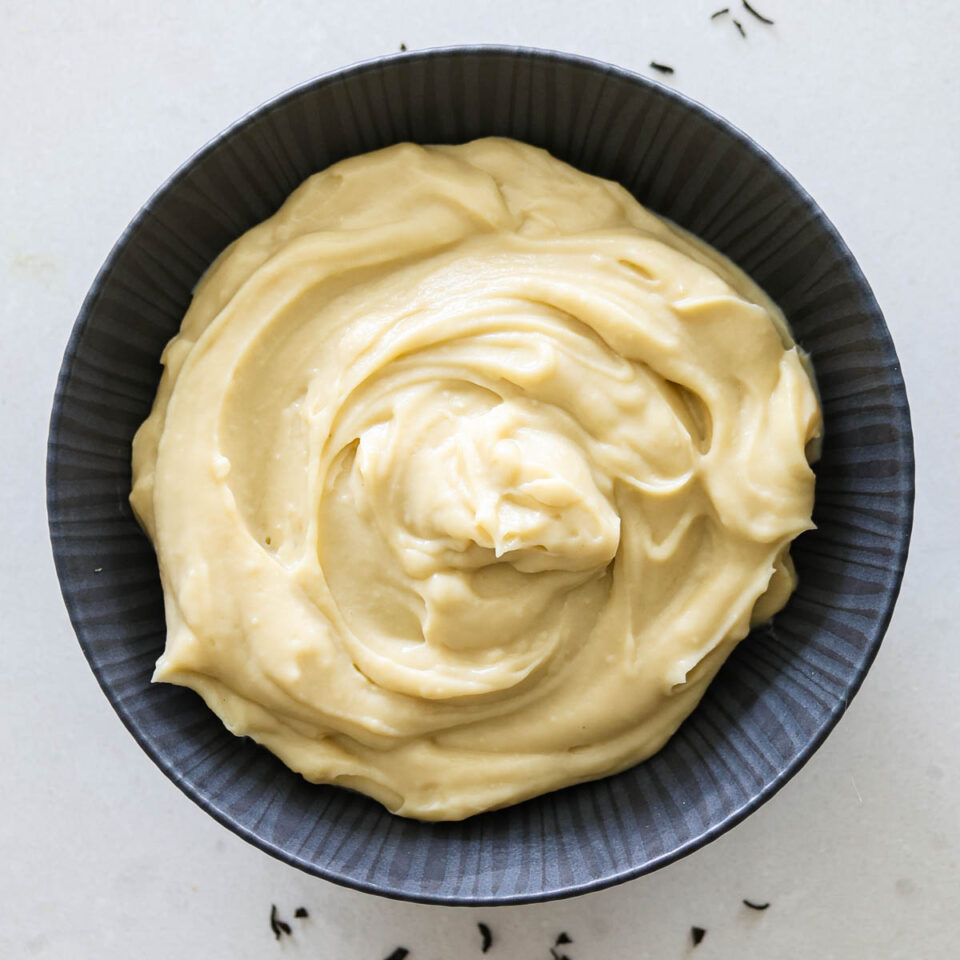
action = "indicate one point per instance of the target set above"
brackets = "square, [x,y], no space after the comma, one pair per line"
[466,473]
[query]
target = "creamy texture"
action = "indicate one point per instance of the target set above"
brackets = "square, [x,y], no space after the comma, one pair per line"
[466,473]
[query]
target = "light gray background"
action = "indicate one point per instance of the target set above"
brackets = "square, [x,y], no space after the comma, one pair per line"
[102,857]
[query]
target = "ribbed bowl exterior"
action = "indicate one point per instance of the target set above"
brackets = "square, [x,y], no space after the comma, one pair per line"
[778,695]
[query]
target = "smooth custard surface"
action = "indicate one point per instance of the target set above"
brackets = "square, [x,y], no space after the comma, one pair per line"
[465,475]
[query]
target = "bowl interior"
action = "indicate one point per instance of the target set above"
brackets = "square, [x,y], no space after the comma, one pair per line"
[777,696]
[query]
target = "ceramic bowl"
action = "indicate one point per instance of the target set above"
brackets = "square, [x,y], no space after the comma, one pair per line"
[785,686]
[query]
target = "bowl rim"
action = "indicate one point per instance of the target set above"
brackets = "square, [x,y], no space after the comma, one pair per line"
[519,53]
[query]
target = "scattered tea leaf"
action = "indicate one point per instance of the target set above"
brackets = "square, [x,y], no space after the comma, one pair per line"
[697,934]
[277,925]
[300,913]
[399,954]
[757,13]
[719,13]
[739,26]
[487,937]
[661,67]
[563,938]
[403,47]
[755,906]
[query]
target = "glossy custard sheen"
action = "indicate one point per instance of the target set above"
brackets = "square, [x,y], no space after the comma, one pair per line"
[465,475]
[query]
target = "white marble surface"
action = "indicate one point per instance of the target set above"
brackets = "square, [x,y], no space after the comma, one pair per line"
[102,857]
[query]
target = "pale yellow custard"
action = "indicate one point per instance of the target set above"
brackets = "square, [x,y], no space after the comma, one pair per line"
[465,475]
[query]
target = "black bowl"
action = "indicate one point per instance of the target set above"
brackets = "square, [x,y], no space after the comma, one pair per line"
[780,693]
